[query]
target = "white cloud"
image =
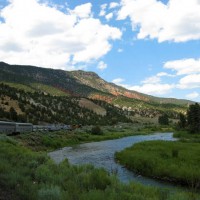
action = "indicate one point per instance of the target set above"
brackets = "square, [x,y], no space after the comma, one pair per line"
[153,89]
[120,50]
[161,74]
[103,10]
[118,81]
[37,34]
[109,16]
[104,6]
[83,11]
[102,65]
[177,21]
[152,80]
[192,95]
[189,82]
[184,66]
[154,85]
[114,5]
[188,69]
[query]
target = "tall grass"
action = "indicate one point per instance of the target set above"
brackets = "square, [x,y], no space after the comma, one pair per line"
[31,175]
[171,161]
[185,136]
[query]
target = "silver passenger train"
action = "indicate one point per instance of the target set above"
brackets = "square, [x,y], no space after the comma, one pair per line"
[16,128]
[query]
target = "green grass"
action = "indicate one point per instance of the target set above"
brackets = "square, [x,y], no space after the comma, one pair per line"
[37,87]
[26,88]
[48,89]
[25,174]
[185,136]
[176,162]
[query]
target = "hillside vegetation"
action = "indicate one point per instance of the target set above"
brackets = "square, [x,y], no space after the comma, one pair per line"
[88,85]
[40,108]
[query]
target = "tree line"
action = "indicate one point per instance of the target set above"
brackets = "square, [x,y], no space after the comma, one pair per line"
[191,121]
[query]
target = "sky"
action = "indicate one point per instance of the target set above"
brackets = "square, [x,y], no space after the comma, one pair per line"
[150,46]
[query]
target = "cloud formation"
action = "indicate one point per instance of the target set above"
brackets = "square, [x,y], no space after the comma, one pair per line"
[114,5]
[102,65]
[103,9]
[151,86]
[39,34]
[118,81]
[192,95]
[153,89]
[189,69]
[184,66]
[152,80]
[189,82]
[177,21]
[109,16]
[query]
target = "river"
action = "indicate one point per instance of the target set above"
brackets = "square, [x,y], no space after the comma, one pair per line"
[101,154]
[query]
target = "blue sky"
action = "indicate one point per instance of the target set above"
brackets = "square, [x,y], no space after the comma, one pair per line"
[149,46]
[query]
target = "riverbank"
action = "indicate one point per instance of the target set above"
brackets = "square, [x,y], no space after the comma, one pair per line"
[176,162]
[48,141]
[185,136]
[25,174]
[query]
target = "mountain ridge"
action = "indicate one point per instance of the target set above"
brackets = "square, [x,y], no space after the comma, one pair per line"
[90,85]
[84,76]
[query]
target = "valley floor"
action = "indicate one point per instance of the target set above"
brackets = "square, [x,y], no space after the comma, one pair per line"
[26,174]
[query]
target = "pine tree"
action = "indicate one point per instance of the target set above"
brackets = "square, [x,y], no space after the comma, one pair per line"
[163,120]
[13,114]
[193,118]
[182,121]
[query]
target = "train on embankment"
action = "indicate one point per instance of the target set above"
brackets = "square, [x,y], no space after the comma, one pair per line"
[13,128]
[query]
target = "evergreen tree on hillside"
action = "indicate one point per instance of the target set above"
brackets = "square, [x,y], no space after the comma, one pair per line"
[13,114]
[182,121]
[39,108]
[193,118]
[163,119]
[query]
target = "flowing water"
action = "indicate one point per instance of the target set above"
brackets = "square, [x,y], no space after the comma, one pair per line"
[101,154]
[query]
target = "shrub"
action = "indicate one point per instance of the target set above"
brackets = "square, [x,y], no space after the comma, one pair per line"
[99,179]
[96,130]
[163,120]
[50,193]
[175,153]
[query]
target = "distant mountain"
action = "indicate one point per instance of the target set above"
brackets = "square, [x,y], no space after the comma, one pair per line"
[93,80]
[88,85]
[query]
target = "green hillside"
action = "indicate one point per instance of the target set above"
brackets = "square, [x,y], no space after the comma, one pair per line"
[88,85]
[41,108]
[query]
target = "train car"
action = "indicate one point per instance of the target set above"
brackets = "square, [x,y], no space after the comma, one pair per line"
[7,127]
[23,127]
[15,128]
[40,128]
